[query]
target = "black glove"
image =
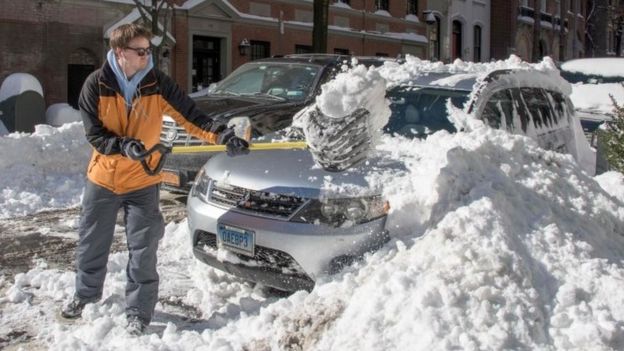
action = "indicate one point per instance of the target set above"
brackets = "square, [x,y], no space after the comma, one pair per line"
[217,127]
[234,145]
[132,148]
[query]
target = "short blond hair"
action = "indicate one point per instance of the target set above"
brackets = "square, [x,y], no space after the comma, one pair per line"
[122,35]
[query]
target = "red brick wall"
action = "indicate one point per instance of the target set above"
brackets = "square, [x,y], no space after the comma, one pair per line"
[38,37]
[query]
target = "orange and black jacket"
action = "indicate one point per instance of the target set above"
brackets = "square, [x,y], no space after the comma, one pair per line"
[107,119]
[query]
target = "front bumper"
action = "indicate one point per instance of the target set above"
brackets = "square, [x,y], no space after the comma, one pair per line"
[289,256]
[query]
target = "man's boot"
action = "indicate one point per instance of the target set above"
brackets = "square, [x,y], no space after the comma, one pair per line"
[73,309]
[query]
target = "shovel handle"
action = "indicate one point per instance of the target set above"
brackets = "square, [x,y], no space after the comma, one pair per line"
[164,150]
[258,146]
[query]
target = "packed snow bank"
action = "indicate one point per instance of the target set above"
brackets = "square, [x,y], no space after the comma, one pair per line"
[59,114]
[42,170]
[18,83]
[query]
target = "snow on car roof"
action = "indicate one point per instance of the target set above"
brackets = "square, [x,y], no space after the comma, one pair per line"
[461,75]
[604,66]
[597,97]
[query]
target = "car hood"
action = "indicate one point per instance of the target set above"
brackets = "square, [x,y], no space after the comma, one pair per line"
[294,172]
[266,114]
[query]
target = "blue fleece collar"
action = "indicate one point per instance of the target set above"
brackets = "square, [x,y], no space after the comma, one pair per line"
[128,86]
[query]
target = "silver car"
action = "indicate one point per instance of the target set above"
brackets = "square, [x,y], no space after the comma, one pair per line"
[268,214]
[271,216]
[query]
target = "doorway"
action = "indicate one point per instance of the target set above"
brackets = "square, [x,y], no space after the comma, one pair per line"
[456,42]
[76,75]
[206,61]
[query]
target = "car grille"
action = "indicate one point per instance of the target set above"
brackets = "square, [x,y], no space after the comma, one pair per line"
[261,203]
[264,257]
[174,135]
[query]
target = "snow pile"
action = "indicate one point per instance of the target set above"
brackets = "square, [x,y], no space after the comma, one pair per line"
[43,170]
[59,114]
[18,83]
[357,87]
[498,244]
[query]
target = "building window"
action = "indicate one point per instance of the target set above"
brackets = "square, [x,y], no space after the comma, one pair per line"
[412,7]
[381,5]
[477,43]
[303,49]
[260,49]
[611,45]
[543,5]
[341,21]
[259,9]
[304,16]
[382,27]
[434,40]
[456,48]
[339,51]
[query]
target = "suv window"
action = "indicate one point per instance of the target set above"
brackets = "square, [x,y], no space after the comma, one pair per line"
[540,107]
[285,80]
[418,112]
[521,110]
[499,105]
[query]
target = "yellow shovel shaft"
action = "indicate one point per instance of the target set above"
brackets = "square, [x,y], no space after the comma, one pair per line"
[259,146]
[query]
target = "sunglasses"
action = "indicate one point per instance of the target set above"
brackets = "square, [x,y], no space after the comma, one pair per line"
[141,51]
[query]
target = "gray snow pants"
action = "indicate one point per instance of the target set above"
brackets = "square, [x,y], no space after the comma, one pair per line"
[144,228]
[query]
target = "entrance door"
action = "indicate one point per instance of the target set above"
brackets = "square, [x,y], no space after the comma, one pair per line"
[206,61]
[456,41]
[76,75]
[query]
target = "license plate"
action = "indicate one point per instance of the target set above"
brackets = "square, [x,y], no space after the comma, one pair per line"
[236,239]
[170,178]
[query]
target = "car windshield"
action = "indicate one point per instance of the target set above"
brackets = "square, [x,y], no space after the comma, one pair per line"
[290,81]
[418,112]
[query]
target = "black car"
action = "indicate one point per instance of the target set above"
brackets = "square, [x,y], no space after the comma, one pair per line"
[268,91]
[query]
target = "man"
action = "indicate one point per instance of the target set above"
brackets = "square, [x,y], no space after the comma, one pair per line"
[122,105]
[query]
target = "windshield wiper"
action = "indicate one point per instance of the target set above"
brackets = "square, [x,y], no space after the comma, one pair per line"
[225,92]
[265,95]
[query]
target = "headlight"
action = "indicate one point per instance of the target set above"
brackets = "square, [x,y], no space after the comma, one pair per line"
[200,188]
[343,212]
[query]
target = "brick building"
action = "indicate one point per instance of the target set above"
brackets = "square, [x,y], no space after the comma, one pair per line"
[60,42]
[515,30]
[605,26]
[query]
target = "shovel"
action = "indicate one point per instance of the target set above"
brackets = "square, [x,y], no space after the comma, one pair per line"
[242,129]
